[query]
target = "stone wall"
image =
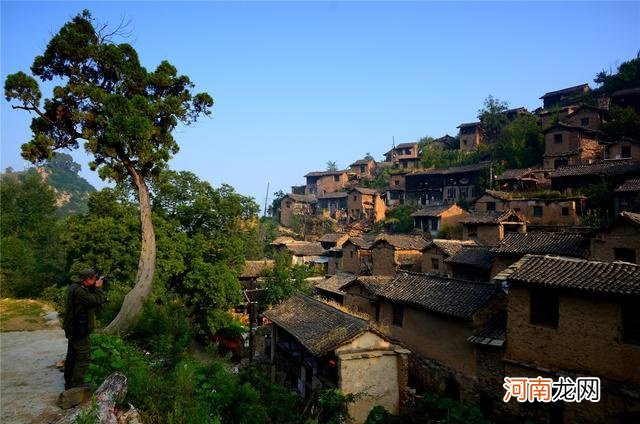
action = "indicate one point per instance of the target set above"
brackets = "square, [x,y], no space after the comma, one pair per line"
[618,236]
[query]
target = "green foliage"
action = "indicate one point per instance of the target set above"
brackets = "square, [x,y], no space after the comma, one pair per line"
[379,415]
[284,280]
[31,257]
[492,117]
[399,220]
[88,415]
[520,144]
[274,209]
[451,232]
[332,166]
[434,408]
[627,76]
[624,121]
[331,406]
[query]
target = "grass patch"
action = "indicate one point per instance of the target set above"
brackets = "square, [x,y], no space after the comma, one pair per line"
[22,315]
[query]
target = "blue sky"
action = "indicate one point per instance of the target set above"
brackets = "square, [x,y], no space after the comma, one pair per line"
[297,84]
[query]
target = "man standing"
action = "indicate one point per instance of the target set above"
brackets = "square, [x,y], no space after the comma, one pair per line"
[83,297]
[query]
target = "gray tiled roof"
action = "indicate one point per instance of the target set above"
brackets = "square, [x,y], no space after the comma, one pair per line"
[363,190]
[324,173]
[512,174]
[493,333]
[447,296]
[333,195]
[333,283]
[253,269]
[576,88]
[436,210]
[634,218]
[451,247]
[502,195]
[453,169]
[317,326]
[306,248]
[613,167]
[620,278]
[489,217]
[303,198]
[630,185]
[364,241]
[371,282]
[332,237]
[544,243]
[402,241]
[476,256]
[362,162]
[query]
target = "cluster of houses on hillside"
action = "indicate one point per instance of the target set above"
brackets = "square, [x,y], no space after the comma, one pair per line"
[519,288]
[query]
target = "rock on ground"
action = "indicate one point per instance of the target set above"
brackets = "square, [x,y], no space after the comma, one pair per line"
[29,380]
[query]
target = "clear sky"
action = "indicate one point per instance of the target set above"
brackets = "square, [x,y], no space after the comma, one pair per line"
[297,84]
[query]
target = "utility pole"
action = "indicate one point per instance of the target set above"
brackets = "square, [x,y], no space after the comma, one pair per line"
[266,197]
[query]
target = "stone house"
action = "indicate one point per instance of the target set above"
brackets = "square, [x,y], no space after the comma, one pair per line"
[331,240]
[616,171]
[473,263]
[404,155]
[433,316]
[586,116]
[548,117]
[322,182]
[334,203]
[564,97]
[444,185]
[296,205]
[620,241]
[515,245]
[253,271]
[394,194]
[433,219]
[365,203]
[570,317]
[330,288]
[627,196]
[391,253]
[566,144]
[624,148]
[357,255]
[543,211]
[488,228]
[529,179]
[316,346]
[471,136]
[435,253]
[363,168]
[445,142]
[358,294]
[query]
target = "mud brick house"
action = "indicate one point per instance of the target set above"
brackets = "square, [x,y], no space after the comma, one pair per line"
[316,346]
[445,143]
[358,294]
[572,318]
[620,241]
[435,253]
[546,117]
[253,271]
[529,179]
[565,97]
[332,203]
[432,219]
[394,194]
[586,116]
[624,148]
[488,228]
[357,255]
[471,136]
[445,185]
[515,245]
[319,183]
[330,240]
[566,144]
[306,252]
[295,205]
[365,203]
[404,155]
[512,114]
[473,263]
[391,253]
[433,316]
[330,288]
[627,196]
[562,211]
[569,178]
[363,168]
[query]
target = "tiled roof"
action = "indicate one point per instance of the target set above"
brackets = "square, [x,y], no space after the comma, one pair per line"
[634,218]
[451,247]
[469,124]
[324,173]
[502,195]
[593,108]
[364,241]
[577,88]
[544,243]
[363,190]
[283,240]
[405,145]
[253,269]
[489,217]
[333,283]
[371,282]
[332,237]
[317,326]
[573,128]
[402,242]
[493,333]
[306,248]
[362,162]
[619,278]
[476,256]
[611,167]
[452,170]
[436,210]
[630,185]
[447,296]
[512,174]
[333,195]
[303,198]
[571,152]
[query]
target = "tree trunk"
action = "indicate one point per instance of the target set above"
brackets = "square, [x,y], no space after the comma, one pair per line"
[134,300]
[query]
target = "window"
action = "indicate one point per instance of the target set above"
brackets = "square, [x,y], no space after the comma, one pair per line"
[491,206]
[472,230]
[351,254]
[560,162]
[435,264]
[544,308]
[336,178]
[377,306]
[557,139]
[537,211]
[631,323]
[355,198]
[584,122]
[288,204]
[398,315]
[625,152]
[397,182]
[451,192]
[624,254]
[565,211]
[434,224]
[362,169]
[463,192]
[464,141]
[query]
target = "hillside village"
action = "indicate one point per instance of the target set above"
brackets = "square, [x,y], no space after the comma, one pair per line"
[505,272]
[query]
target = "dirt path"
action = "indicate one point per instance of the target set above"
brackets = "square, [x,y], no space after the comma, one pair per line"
[29,380]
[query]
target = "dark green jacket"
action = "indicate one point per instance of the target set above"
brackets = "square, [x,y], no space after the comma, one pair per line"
[80,313]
